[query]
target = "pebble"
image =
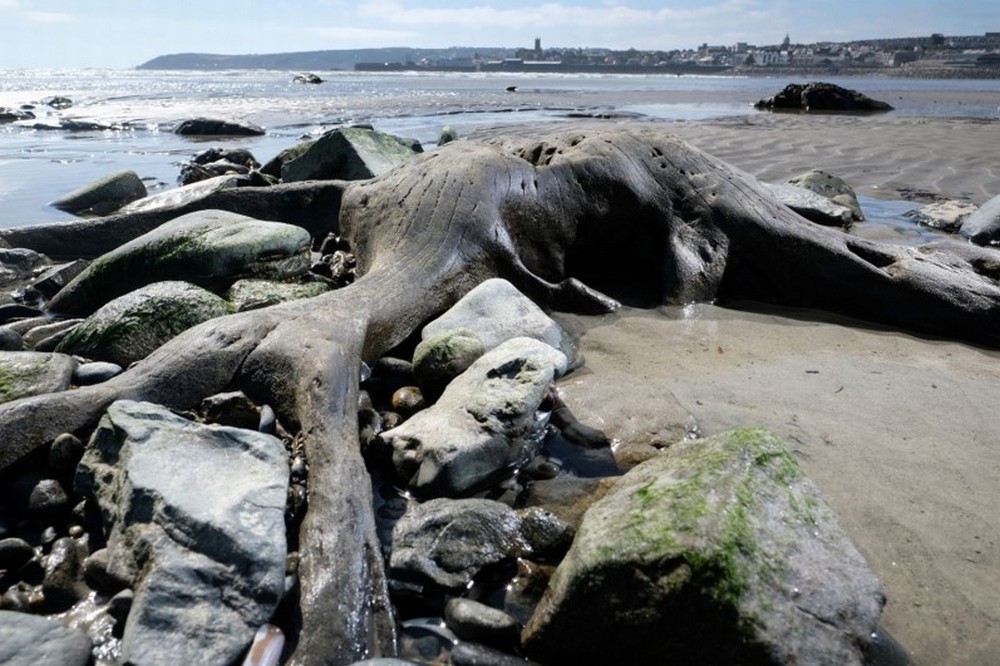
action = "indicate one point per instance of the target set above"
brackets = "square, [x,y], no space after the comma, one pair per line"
[15,553]
[477,622]
[88,374]
[61,584]
[407,401]
[64,455]
[47,497]
[266,648]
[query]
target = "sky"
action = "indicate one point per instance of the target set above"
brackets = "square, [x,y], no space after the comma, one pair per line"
[126,33]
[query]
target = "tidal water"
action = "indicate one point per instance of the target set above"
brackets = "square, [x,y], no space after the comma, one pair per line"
[38,165]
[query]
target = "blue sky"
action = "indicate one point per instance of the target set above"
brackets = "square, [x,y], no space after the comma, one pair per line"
[125,33]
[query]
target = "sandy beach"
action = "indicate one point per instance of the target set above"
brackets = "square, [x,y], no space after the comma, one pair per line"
[899,432]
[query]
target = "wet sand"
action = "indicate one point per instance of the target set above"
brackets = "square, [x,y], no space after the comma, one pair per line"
[900,434]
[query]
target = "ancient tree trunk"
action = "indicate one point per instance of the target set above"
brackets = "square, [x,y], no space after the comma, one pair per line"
[575,220]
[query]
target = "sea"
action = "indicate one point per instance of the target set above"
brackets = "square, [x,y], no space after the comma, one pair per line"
[39,162]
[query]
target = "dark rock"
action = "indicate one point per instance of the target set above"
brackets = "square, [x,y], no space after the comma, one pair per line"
[120,605]
[103,196]
[349,153]
[58,102]
[30,640]
[473,654]
[98,576]
[216,127]
[64,456]
[546,534]
[447,135]
[57,277]
[479,623]
[273,166]
[14,553]
[10,340]
[307,77]
[204,540]
[48,497]
[240,156]
[19,262]
[231,409]
[983,226]
[11,311]
[212,249]
[128,328]
[818,96]
[88,374]
[62,584]
[721,537]
[13,115]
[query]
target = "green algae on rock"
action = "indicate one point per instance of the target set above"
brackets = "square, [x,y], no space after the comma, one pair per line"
[718,550]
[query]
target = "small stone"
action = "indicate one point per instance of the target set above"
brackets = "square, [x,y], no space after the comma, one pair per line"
[120,604]
[16,598]
[47,497]
[473,654]
[97,575]
[477,622]
[407,401]
[268,420]
[232,409]
[64,455]
[97,372]
[545,533]
[61,584]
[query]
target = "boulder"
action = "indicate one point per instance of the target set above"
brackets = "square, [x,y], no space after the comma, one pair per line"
[210,248]
[240,156]
[818,96]
[717,551]
[8,115]
[484,422]
[54,330]
[128,328]
[832,187]
[273,166]
[947,216]
[19,263]
[33,373]
[814,207]
[253,294]
[195,520]
[349,153]
[307,77]
[33,640]
[216,127]
[496,311]
[444,543]
[57,277]
[983,226]
[440,358]
[104,195]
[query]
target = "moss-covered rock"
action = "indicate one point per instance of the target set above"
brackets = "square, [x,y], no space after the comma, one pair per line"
[717,551]
[128,328]
[253,294]
[209,248]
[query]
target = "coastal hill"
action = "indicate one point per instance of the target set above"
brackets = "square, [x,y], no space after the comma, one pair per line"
[308,60]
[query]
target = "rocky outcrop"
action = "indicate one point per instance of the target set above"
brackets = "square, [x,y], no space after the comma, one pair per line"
[818,96]
[349,153]
[716,551]
[33,373]
[483,423]
[216,127]
[103,196]
[212,249]
[195,521]
[983,226]
[129,327]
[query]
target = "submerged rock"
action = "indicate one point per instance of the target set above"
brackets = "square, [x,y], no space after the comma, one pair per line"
[210,248]
[717,551]
[130,327]
[217,127]
[195,520]
[104,195]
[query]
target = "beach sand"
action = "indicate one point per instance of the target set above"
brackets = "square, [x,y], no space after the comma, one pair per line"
[900,433]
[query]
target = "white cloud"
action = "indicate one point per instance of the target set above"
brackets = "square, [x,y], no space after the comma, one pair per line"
[347,36]
[48,17]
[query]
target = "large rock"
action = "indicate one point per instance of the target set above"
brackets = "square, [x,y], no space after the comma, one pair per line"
[349,153]
[32,640]
[832,187]
[253,294]
[947,216]
[983,226]
[818,96]
[496,311]
[33,373]
[210,248]
[103,196]
[483,423]
[130,327]
[216,127]
[814,207]
[194,517]
[717,551]
[181,196]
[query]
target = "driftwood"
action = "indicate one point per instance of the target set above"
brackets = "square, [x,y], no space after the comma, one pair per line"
[577,220]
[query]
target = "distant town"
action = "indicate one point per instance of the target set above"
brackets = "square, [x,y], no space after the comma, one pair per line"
[933,56]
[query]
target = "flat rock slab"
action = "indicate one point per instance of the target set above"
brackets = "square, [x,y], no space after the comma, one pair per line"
[195,519]
[32,640]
